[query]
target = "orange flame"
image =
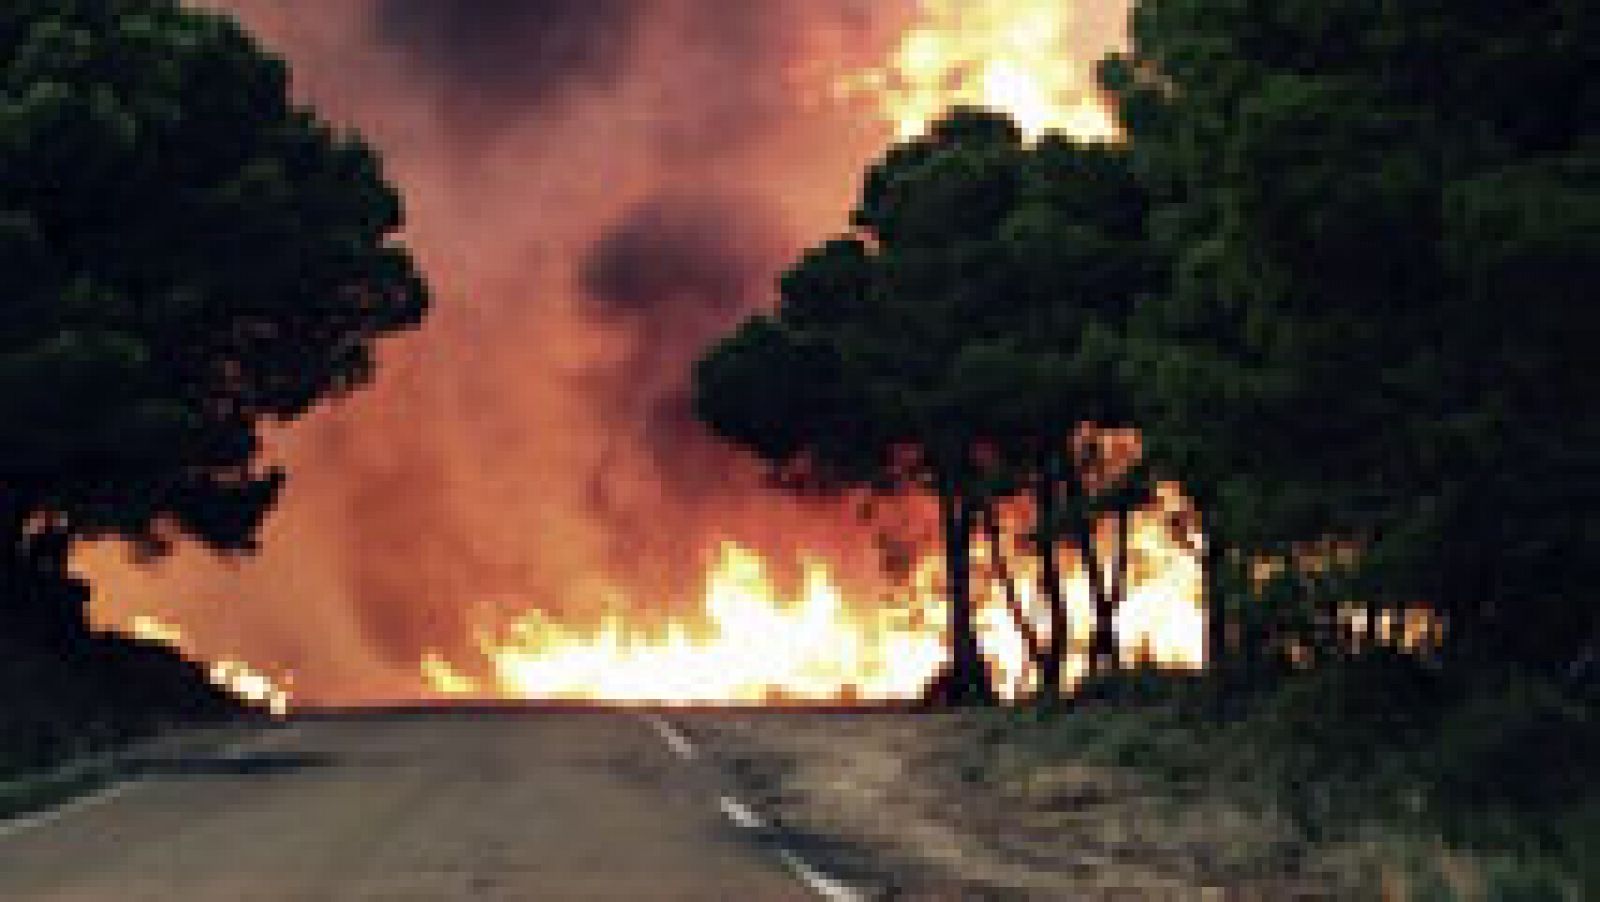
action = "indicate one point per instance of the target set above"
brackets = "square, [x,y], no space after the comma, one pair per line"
[234,676]
[750,645]
[1015,56]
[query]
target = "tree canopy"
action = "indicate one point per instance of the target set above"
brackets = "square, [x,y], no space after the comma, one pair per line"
[1339,277]
[1379,220]
[190,254]
[953,343]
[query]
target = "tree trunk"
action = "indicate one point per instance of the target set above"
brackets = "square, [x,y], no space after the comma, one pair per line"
[1103,637]
[1216,651]
[1374,620]
[966,682]
[1106,647]
[39,598]
[1045,513]
[1218,657]
[1008,585]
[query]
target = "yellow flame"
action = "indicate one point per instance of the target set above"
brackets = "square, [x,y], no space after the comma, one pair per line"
[250,684]
[750,645]
[1015,56]
[234,676]
[442,677]
[753,647]
[151,629]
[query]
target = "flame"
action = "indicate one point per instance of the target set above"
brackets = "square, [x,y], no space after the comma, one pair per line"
[152,629]
[1014,56]
[232,675]
[250,684]
[442,677]
[750,645]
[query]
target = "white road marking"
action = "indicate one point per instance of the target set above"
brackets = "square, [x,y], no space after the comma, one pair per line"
[742,815]
[238,751]
[674,738]
[14,826]
[824,886]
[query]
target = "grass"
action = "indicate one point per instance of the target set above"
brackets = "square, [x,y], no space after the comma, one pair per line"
[27,793]
[66,711]
[1481,788]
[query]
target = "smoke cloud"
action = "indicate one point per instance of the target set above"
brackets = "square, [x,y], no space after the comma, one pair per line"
[596,190]
[490,61]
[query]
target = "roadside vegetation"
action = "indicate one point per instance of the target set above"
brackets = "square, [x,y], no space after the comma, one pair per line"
[189,256]
[1338,276]
[65,714]
[1434,786]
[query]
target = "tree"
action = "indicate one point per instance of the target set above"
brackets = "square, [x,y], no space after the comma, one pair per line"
[1075,260]
[189,256]
[956,344]
[1371,337]
[871,324]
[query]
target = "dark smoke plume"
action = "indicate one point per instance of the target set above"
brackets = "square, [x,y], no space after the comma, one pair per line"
[674,273]
[596,190]
[512,51]
[677,257]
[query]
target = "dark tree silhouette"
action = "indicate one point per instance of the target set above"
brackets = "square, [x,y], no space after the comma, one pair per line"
[188,256]
[1379,331]
[1077,261]
[852,379]
[956,345]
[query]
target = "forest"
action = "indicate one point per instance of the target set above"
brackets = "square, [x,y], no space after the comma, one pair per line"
[1337,277]
[1333,282]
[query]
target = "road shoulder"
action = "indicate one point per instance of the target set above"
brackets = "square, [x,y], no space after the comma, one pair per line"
[939,804]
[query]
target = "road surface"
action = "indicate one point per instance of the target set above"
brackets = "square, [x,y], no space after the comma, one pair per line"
[408,806]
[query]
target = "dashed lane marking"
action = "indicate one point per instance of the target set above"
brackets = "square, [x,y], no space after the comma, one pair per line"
[745,818]
[741,814]
[674,738]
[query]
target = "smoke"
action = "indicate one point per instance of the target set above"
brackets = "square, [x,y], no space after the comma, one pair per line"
[596,190]
[667,251]
[670,275]
[516,50]
[488,62]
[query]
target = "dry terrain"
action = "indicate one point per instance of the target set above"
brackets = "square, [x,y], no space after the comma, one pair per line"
[945,805]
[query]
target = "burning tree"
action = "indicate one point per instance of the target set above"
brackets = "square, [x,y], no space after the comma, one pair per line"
[1044,381]
[189,256]
[956,344]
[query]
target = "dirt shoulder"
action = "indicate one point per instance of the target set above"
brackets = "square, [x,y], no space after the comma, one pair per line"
[941,804]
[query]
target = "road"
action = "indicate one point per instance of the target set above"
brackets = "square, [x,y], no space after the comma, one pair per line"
[408,806]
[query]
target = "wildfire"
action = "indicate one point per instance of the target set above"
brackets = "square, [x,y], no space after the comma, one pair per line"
[1010,55]
[250,684]
[750,645]
[235,676]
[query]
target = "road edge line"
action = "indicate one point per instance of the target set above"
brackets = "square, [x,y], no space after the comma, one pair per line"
[21,824]
[125,783]
[823,885]
[743,816]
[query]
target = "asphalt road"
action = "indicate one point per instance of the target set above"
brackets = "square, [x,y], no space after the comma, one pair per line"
[414,806]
